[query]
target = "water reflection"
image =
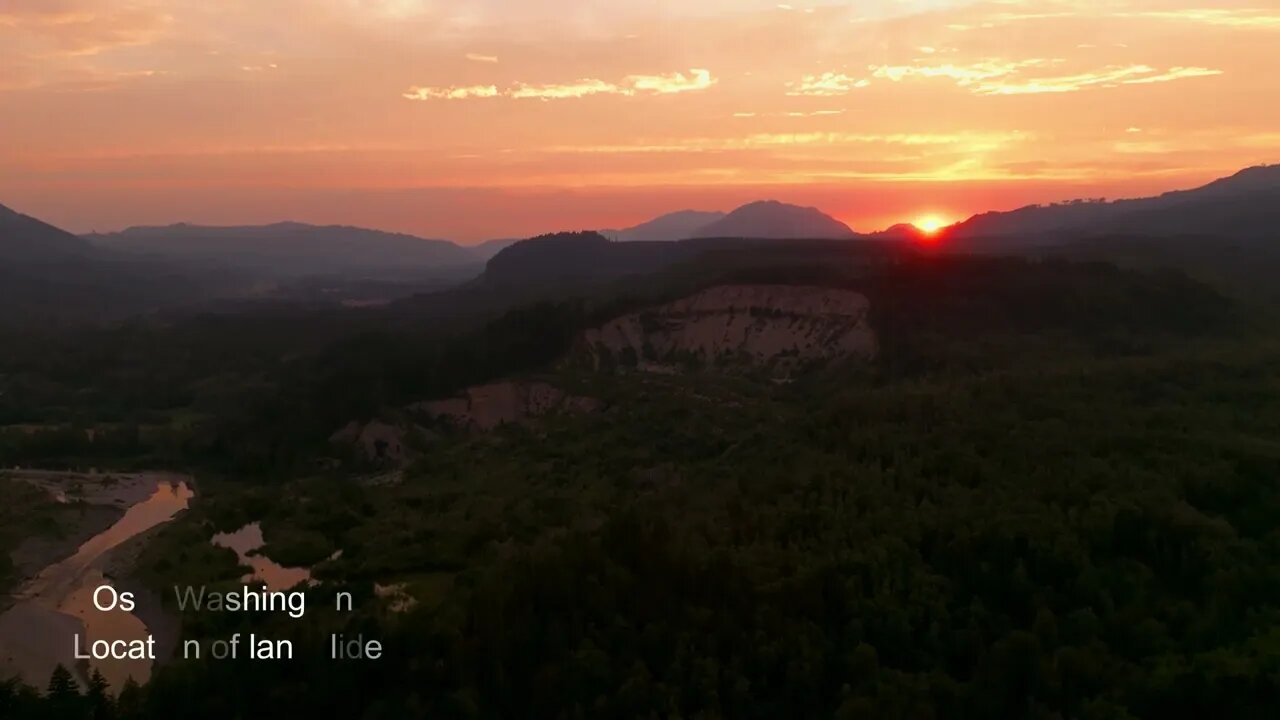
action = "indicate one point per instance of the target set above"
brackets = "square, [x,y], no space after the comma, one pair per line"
[38,632]
[248,539]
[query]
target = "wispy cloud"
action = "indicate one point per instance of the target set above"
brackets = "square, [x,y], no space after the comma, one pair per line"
[453,93]
[1001,77]
[72,28]
[1109,77]
[697,79]
[1243,18]
[578,89]
[963,75]
[1176,73]
[1235,18]
[826,85]
[677,82]
[793,114]
[971,141]
[475,57]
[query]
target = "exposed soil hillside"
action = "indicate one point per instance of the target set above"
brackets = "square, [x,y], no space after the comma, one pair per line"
[780,326]
[485,407]
[379,441]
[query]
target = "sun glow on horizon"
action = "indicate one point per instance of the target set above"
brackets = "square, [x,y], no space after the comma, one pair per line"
[484,119]
[930,224]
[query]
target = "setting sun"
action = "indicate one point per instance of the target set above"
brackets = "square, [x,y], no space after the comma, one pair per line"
[930,224]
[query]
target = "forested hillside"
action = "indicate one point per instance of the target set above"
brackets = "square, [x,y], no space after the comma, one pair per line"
[1049,494]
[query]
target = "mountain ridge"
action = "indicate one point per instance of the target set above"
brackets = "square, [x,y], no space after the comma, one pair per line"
[288,248]
[678,225]
[24,238]
[771,219]
[1245,204]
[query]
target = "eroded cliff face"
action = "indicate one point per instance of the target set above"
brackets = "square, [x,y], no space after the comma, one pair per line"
[778,326]
[378,440]
[485,407]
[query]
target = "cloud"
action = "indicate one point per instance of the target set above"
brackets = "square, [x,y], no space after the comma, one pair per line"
[581,88]
[963,75]
[453,93]
[698,79]
[677,82]
[1001,77]
[1235,18]
[1109,77]
[474,57]
[825,85]
[792,114]
[965,141]
[970,141]
[72,28]
[1176,73]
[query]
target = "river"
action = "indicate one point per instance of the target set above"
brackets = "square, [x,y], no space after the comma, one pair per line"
[38,632]
[245,542]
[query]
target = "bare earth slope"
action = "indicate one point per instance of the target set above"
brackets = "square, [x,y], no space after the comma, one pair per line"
[775,325]
[506,402]
[778,327]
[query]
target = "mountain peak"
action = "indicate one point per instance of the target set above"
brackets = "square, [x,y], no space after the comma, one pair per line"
[773,219]
[1250,179]
[24,238]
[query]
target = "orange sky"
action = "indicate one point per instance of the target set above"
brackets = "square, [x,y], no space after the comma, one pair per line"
[492,118]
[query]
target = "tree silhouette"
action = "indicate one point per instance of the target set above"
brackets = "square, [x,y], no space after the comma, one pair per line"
[99,698]
[129,703]
[18,700]
[62,699]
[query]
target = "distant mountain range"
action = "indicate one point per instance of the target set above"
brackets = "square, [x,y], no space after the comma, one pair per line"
[49,276]
[487,249]
[562,257]
[766,219]
[26,239]
[679,225]
[1243,206]
[44,270]
[290,249]
[772,220]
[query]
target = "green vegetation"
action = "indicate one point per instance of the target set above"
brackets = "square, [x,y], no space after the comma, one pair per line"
[1053,495]
[29,513]
[24,513]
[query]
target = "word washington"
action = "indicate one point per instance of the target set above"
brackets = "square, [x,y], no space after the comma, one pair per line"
[246,599]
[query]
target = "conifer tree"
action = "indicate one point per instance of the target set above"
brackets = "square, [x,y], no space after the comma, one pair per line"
[62,699]
[101,706]
[129,703]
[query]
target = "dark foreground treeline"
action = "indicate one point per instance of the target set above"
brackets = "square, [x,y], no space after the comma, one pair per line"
[1090,539]
[1052,496]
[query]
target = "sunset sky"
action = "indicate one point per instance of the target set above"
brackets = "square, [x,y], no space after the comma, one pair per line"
[474,119]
